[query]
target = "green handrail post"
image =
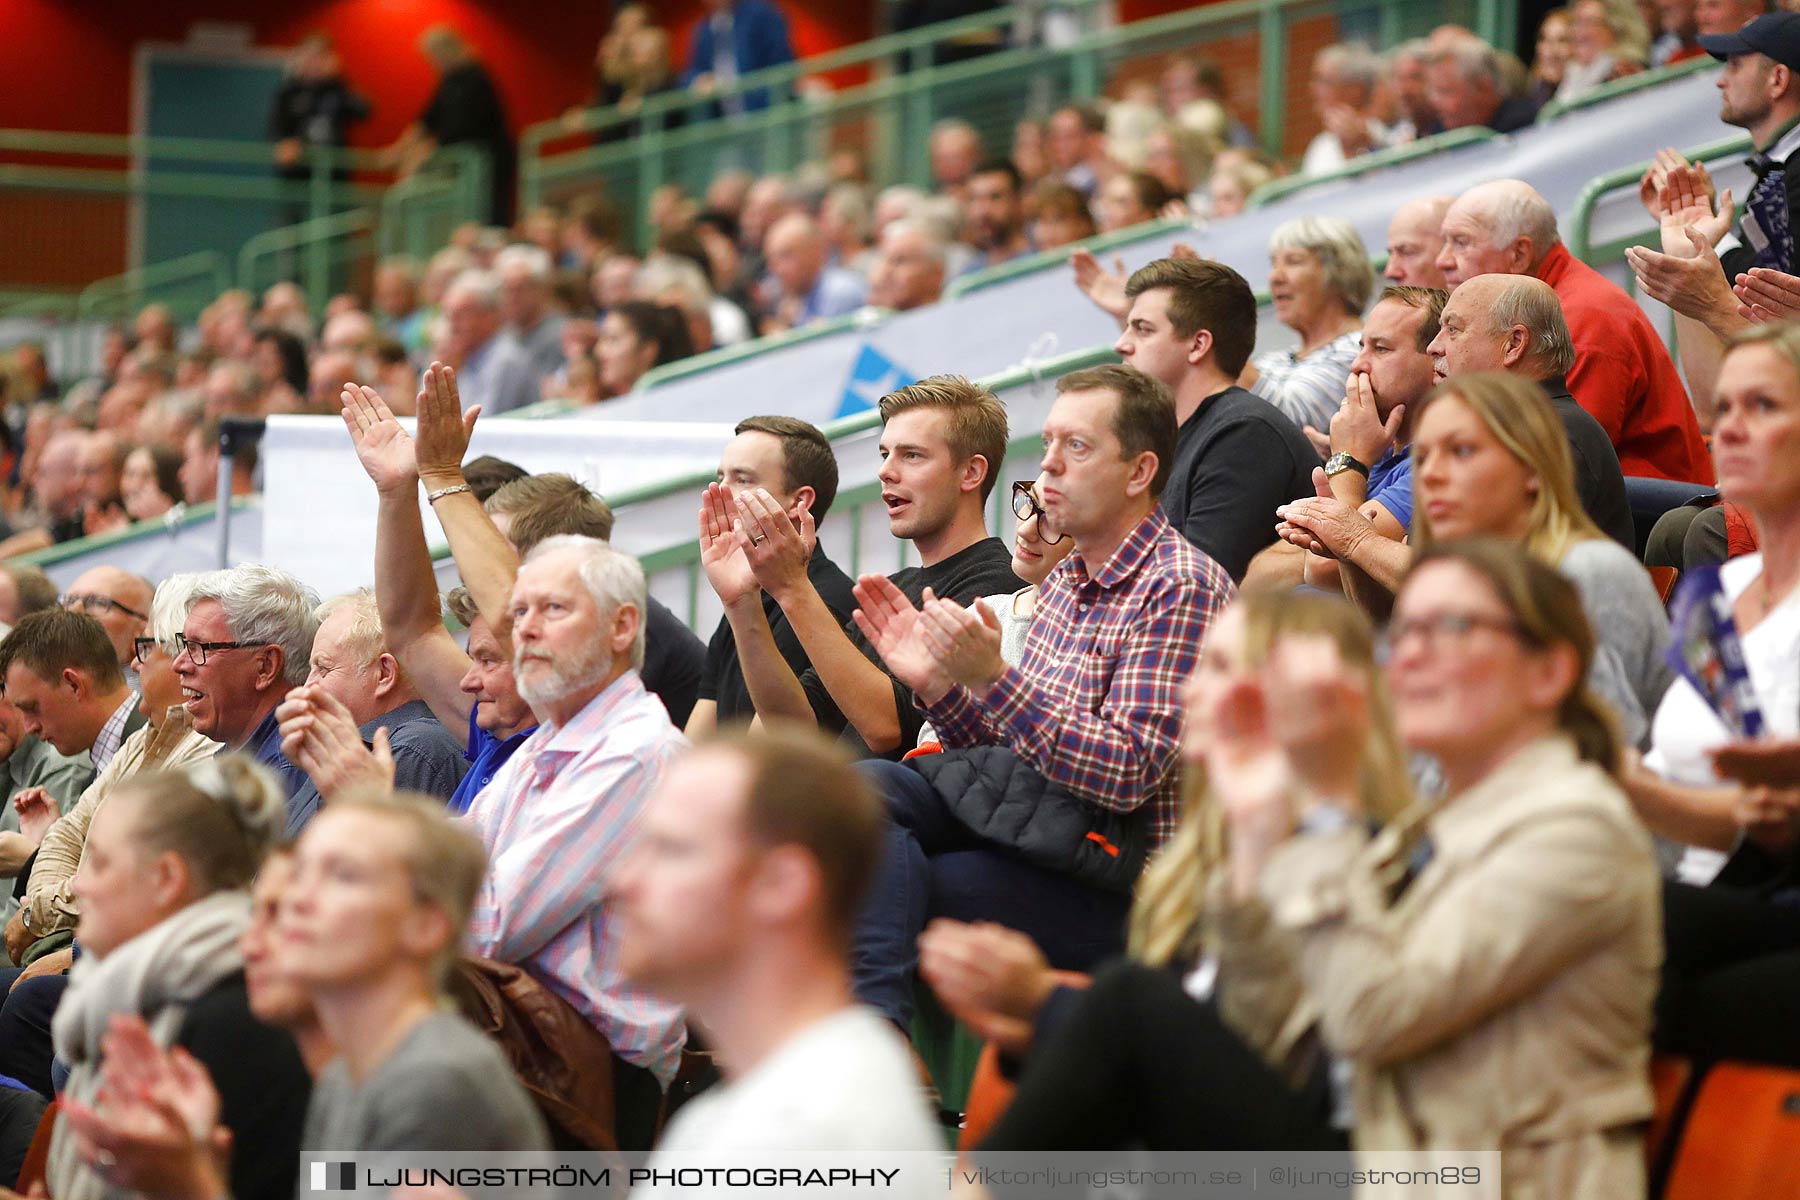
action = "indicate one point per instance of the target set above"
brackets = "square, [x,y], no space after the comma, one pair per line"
[1588,199]
[1437,143]
[1626,86]
[1272,73]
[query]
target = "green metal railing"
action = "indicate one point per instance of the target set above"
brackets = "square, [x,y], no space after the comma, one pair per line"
[1626,179]
[778,84]
[98,199]
[192,514]
[1260,44]
[200,276]
[1626,86]
[1032,264]
[724,356]
[1425,147]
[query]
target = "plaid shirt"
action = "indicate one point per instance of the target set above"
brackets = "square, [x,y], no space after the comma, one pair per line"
[1094,704]
[556,820]
[112,734]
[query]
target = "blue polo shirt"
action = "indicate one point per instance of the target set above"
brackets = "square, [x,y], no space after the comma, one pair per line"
[264,745]
[1390,481]
[486,754]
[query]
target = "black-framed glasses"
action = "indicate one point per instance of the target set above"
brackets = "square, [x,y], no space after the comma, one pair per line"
[141,648]
[197,651]
[1026,506]
[94,605]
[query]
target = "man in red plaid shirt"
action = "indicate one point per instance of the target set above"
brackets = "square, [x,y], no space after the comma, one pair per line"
[1057,775]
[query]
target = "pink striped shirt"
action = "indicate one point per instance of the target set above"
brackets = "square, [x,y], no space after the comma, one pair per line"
[556,820]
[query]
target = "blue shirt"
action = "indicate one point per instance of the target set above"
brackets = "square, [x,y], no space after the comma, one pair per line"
[264,745]
[486,755]
[1390,481]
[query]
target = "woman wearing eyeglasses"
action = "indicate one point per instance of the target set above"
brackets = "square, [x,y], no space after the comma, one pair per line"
[1487,966]
[1036,552]
[1491,459]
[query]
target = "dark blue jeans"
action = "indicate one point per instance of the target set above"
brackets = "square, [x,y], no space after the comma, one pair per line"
[25,1048]
[934,866]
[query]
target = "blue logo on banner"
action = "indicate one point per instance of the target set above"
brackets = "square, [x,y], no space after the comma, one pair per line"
[873,376]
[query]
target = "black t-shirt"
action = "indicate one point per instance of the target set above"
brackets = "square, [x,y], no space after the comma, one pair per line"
[983,569]
[1598,479]
[319,112]
[263,1088]
[1237,459]
[673,661]
[723,680]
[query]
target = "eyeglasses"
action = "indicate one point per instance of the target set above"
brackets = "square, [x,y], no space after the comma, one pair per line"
[197,651]
[1448,626]
[1026,506]
[93,605]
[141,648]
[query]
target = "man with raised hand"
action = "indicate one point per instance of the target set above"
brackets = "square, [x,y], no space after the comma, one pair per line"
[473,693]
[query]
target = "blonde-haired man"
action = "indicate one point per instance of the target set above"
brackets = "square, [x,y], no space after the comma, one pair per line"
[357,678]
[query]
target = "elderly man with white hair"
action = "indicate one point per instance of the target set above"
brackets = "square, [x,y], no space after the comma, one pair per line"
[563,813]
[494,370]
[526,274]
[356,679]
[1622,374]
[909,265]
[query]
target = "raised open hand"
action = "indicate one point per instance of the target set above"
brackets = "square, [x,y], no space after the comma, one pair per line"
[444,428]
[382,446]
[721,557]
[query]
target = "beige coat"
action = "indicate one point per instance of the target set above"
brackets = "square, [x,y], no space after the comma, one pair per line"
[49,902]
[1504,1001]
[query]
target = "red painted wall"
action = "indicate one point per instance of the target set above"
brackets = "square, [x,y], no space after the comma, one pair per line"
[67,63]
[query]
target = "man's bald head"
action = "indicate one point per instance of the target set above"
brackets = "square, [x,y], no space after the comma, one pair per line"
[117,599]
[1414,239]
[1501,228]
[1511,323]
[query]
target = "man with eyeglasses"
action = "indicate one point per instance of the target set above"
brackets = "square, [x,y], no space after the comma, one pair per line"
[117,599]
[246,642]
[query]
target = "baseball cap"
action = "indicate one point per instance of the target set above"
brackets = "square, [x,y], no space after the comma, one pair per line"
[1774,35]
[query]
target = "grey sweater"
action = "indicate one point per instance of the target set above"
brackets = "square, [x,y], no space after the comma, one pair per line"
[445,1087]
[1631,632]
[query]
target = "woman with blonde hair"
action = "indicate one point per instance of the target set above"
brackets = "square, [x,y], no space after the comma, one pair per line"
[1515,922]
[1491,458]
[1201,1039]
[163,888]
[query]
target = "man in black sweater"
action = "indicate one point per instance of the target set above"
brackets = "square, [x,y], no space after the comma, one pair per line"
[942,442]
[1192,326]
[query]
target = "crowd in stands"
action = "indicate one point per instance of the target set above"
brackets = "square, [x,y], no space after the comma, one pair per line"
[1310,769]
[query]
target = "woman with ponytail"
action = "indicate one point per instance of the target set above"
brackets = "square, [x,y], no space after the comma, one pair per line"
[163,889]
[1487,968]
